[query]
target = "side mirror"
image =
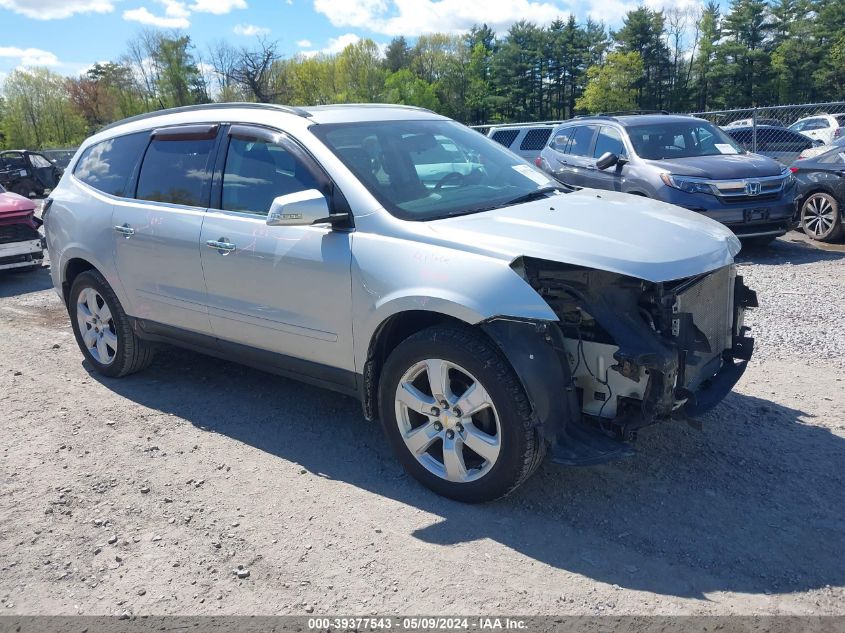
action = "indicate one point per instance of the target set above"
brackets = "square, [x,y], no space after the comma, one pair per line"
[606,160]
[302,208]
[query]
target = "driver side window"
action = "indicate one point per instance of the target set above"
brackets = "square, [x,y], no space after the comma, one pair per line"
[257,172]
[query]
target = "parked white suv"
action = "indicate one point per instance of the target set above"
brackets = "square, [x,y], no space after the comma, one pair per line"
[524,140]
[480,310]
[822,127]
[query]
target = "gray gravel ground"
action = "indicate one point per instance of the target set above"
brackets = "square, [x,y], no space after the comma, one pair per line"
[155,494]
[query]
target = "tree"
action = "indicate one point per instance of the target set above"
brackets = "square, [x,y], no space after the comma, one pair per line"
[360,75]
[613,86]
[38,112]
[397,55]
[406,88]
[742,63]
[709,38]
[253,72]
[643,32]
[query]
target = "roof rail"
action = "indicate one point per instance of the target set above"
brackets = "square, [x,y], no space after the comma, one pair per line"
[209,106]
[632,112]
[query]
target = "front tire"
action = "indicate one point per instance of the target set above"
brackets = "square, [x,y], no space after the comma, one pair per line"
[457,416]
[820,217]
[102,329]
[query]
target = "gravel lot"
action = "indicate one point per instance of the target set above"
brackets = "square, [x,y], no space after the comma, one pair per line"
[144,495]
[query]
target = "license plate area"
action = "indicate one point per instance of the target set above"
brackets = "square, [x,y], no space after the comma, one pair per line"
[755,215]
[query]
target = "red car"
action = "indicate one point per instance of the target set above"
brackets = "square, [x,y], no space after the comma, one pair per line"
[21,245]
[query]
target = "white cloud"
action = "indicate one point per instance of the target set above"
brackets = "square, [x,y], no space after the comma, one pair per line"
[56,9]
[415,17]
[334,46]
[250,29]
[304,44]
[29,56]
[144,16]
[217,7]
[175,16]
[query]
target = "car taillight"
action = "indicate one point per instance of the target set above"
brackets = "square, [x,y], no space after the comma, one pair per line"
[794,170]
[837,132]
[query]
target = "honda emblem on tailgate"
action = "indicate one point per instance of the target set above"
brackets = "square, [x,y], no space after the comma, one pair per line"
[752,188]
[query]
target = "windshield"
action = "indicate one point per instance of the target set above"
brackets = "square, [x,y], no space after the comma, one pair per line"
[685,139]
[423,170]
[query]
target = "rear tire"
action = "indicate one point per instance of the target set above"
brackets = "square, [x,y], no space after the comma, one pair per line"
[820,217]
[439,450]
[102,329]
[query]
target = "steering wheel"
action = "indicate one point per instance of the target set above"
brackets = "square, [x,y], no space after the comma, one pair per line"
[452,175]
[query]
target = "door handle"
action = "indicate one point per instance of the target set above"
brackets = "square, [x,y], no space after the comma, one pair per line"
[125,230]
[222,245]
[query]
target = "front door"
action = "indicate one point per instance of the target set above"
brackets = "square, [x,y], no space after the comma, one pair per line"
[609,139]
[282,289]
[578,156]
[157,235]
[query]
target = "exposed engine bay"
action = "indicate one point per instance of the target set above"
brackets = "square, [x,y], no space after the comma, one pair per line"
[638,352]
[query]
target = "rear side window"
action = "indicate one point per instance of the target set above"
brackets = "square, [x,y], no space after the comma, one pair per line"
[535,139]
[505,137]
[176,171]
[582,138]
[107,166]
[609,140]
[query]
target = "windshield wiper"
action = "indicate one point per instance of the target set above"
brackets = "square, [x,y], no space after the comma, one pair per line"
[537,194]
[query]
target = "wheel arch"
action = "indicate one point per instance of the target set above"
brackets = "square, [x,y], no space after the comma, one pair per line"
[386,337]
[821,188]
[74,267]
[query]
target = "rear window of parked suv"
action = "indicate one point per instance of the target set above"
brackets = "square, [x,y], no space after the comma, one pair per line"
[107,166]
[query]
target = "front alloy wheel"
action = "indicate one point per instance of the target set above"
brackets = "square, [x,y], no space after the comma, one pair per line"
[448,421]
[457,416]
[820,217]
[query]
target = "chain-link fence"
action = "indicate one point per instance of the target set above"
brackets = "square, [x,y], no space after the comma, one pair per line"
[784,133]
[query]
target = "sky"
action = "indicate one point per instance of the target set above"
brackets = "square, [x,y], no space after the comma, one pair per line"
[69,36]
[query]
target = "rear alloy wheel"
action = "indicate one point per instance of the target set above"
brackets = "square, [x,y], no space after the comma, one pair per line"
[820,217]
[457,416]
[102,329]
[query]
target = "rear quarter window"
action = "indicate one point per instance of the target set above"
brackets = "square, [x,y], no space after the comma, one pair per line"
[535,139]
[505,137]
[107,166]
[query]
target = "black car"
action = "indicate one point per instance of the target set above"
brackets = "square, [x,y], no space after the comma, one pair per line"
[29,174]
[775,142]
[821,194]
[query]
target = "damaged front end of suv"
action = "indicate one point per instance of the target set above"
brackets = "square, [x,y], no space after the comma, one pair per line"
[626,352]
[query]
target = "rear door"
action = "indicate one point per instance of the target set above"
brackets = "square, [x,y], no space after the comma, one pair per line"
[157,234]
[281,289]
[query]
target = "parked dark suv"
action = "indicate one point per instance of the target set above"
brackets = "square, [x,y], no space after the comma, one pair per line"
[681,160]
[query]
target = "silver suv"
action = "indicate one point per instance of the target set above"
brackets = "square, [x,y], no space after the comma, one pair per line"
[481,311]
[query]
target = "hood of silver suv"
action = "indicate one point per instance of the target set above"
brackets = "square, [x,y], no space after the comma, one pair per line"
[605,230]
